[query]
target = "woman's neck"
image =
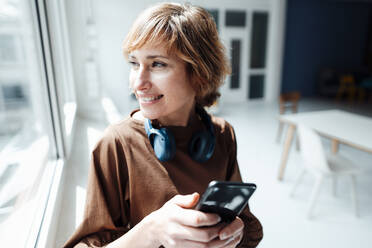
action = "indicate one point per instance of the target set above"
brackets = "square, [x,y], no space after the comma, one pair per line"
[178,119]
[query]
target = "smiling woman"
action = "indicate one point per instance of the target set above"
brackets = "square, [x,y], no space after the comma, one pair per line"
[148,171]
[189,33]
[161,85]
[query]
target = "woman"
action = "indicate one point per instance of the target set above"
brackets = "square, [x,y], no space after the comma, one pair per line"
[147,171]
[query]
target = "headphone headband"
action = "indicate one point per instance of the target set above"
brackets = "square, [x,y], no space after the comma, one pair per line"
[206,119]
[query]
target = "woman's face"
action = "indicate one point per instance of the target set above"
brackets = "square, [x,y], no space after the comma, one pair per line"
[161,85]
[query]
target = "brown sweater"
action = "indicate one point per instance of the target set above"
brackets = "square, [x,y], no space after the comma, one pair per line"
[127,182]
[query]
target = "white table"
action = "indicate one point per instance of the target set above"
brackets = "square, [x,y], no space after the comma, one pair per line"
[339,126]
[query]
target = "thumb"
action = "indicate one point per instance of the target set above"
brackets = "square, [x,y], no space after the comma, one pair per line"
[186,201]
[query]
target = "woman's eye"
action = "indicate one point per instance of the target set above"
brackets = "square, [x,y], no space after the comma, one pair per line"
[133,64]
[158,64]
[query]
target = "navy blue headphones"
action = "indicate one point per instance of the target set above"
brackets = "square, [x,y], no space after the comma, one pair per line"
[201,145]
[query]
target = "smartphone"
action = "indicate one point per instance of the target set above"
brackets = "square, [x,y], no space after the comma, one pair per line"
[227,199]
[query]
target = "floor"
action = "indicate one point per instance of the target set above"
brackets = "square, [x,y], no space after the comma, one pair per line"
[283,217]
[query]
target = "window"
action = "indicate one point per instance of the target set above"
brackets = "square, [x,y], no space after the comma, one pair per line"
[235,64]
[62,70]
[7,48]
[259,38]
[235,18]
[13,95]
[256,86]
[30,125]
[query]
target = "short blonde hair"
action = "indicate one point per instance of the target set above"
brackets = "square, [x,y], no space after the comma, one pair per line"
[190,33]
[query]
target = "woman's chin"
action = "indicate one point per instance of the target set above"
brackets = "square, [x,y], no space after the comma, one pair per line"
[150,114]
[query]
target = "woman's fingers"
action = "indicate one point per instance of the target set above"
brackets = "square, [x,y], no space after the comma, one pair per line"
[231,242]
[190,244]
[179,208]
[194,218]
[185,201]
[199,234]
[177,223]
[203,237]
[232,230]
[234,241]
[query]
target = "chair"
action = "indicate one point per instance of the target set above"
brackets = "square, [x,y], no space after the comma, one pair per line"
[323,165]
[287,101]
[365,89]
[347,86]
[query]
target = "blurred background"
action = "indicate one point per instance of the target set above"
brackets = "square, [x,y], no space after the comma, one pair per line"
[63,80]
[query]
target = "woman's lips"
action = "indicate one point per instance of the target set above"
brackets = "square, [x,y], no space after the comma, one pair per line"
[150,99]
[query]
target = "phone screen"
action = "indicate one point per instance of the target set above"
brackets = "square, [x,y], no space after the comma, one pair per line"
[227,199]
[232,198]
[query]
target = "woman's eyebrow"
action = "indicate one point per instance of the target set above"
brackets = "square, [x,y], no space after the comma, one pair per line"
[156,56]
[150,56]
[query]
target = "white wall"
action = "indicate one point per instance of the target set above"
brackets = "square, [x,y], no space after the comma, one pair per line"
[75,22]
[113,19]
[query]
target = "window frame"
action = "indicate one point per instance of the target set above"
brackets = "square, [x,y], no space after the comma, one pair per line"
[49,51]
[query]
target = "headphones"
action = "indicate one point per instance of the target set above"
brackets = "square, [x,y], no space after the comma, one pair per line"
[200,147]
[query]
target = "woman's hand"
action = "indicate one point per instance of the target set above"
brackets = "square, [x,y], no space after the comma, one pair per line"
[232,233]
[177,225]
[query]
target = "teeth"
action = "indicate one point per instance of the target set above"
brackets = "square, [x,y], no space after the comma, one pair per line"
[149,99]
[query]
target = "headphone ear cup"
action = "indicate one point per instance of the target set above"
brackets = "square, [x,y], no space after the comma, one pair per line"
[201,146]
[162,141]
[164,145]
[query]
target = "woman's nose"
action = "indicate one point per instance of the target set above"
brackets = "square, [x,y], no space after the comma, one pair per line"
[142,79]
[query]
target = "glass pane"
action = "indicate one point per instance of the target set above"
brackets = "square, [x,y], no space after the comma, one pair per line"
[14,95]
[235,64]
[26,138]
[256,86]
[7,48]
[63,71]
[214,14]
[259,37]
[235,18]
